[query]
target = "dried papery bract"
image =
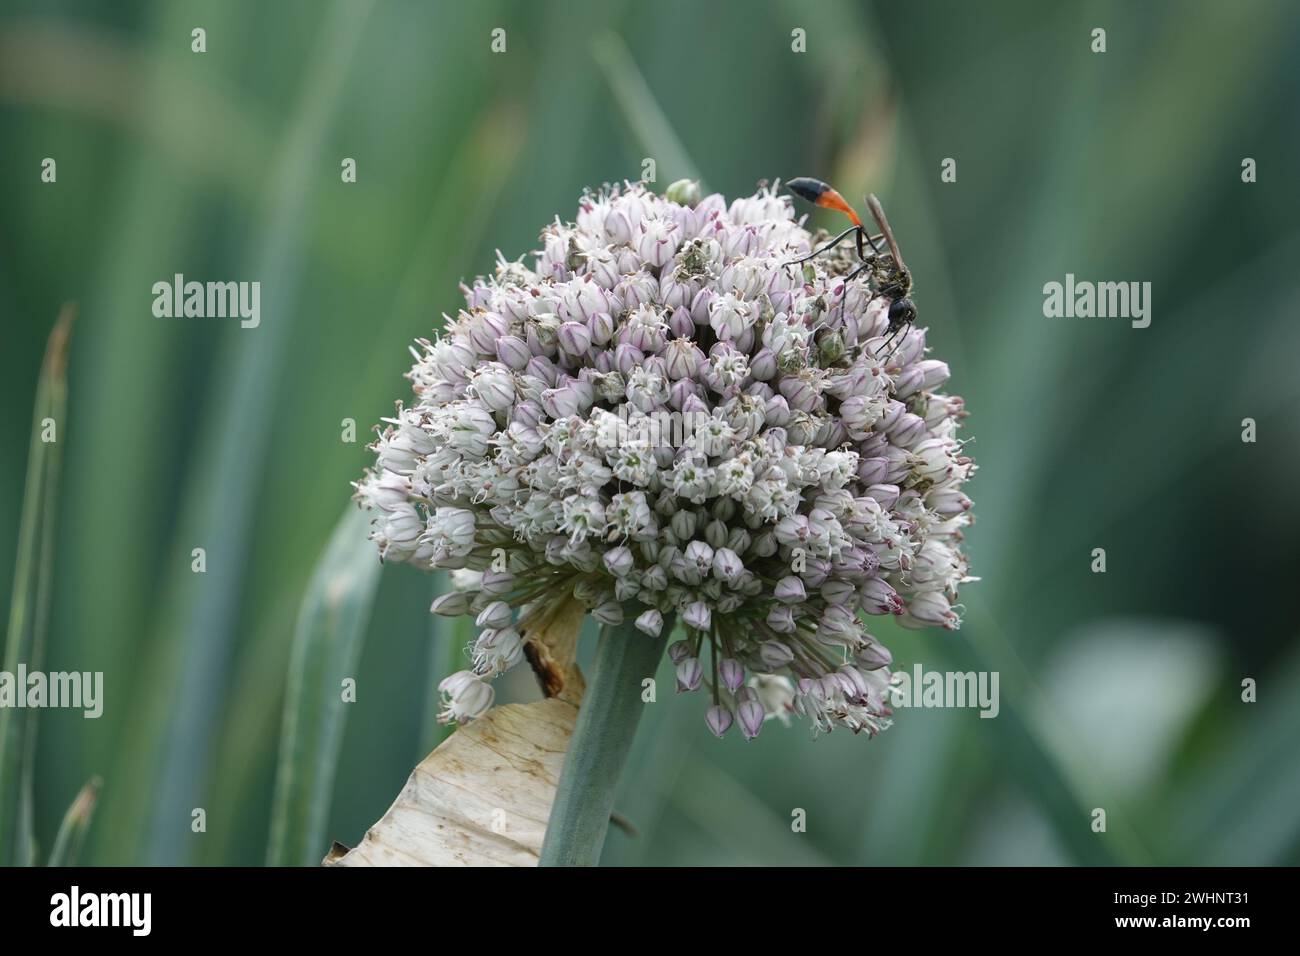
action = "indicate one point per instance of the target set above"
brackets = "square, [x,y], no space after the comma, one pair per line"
[820,481]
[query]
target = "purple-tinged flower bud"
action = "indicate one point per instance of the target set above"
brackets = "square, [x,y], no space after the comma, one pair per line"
[793,531]
[610,612]
[451,533]
[900,463]
[715,532]
[738,540]
[561,402]
[764,545]
[681,324]
[497,582]
[451,604]
[873,656]
[872,471]
[853,685]
[651,622]
[763,365]
[908,382]
[719,720]
[775,654]
[907,430]
[513,352]
[452,360]
[682,358]
[526,413]
[799,393]
[584,301]
[484,331]
[657,241]
[697,614]
[539,366]
[838,591]
[860,414]
[887,495]
[495,615]
[668,555]
[618,226]
[937,458]
[575,339]
[894,410]
[627,357]
[619,561]
[674,293]
[693,405]
[702,305]
[655,578]
[910,349]
[689,674]
[750,716]
[698,556]
[683,524]
[679,651]
[932,607]
[741,242]
[732,673]
[602,328]
[781,619]
[680,392]
[729,316]
[878,597]
[839,624]
[947,501]
[494,386]
[940,408]
[935,372]
[790,590]
[727,565]
[586,391]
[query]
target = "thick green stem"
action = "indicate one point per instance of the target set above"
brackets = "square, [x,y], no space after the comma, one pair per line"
[601,740]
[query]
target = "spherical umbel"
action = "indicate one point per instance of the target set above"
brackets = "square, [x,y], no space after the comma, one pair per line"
[660,418]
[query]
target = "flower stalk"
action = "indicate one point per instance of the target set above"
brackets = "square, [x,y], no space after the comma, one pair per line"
[602,737]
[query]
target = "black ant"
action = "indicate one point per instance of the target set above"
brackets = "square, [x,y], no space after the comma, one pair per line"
[890,276]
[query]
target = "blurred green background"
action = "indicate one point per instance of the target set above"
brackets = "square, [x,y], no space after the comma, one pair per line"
[1119,690]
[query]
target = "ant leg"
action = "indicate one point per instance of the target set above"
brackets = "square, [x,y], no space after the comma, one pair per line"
[830,245]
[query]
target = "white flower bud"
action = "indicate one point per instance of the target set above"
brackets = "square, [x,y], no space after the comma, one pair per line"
[619,561]
[727,566]
[697,616]
[496,615]
[465,696]
[650,622]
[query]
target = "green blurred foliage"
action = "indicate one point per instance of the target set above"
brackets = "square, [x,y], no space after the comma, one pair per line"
[1119,690]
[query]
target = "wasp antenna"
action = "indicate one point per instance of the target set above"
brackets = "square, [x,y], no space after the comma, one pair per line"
[878,213]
